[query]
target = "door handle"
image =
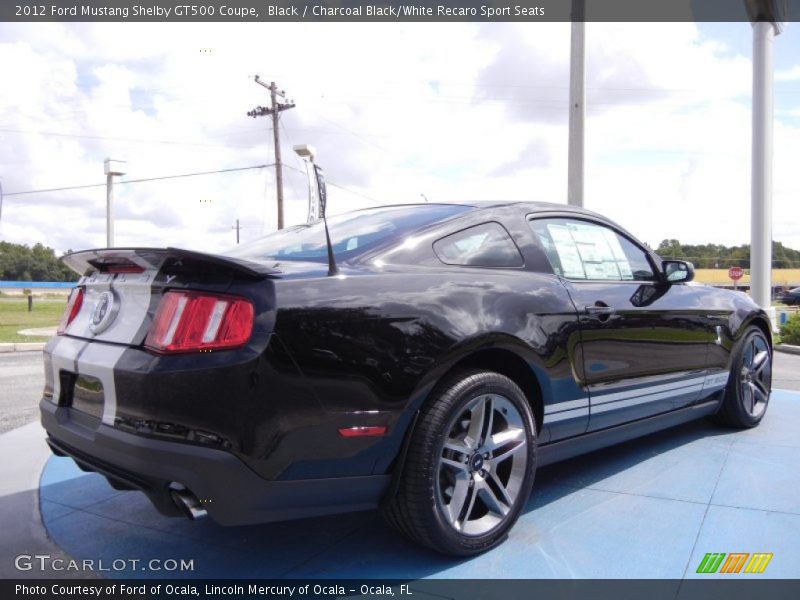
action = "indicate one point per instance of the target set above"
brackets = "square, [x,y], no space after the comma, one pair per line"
[599,308]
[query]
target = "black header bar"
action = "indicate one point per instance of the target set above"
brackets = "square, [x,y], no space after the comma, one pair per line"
[542,11]
[734,588]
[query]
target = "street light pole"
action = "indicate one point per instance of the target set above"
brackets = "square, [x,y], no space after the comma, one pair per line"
[307,154]
[111,168]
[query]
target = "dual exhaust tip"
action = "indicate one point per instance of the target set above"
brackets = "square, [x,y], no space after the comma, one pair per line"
[187,502]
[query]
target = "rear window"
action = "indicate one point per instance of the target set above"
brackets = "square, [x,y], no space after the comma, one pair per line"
[352,233]
[485,245]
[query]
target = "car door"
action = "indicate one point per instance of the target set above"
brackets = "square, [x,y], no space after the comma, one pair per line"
[642,339]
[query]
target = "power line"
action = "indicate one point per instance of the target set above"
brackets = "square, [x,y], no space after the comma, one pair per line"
[163,177]
[120,139]
[341,187]
[355,134]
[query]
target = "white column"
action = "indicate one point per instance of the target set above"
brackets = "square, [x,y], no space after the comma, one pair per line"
[761,183]
[577,113]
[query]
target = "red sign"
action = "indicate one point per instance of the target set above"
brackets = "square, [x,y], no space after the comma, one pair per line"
[735,273]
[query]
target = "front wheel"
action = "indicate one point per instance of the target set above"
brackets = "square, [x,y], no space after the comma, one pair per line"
[470,466]
[750,383]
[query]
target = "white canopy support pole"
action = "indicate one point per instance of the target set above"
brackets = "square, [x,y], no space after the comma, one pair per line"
[577,105]
[761,183]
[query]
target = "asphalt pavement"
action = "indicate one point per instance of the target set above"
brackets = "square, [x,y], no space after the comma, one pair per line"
[21,385]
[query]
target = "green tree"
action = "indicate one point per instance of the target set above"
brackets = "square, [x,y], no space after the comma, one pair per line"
[717,256]
[19,262]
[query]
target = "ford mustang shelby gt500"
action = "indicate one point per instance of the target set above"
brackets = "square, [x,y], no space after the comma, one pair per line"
[425,360]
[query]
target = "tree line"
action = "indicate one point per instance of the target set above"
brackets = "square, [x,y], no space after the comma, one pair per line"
[19,262]
[717,256]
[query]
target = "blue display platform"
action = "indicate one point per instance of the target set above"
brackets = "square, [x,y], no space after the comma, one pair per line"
[651,508]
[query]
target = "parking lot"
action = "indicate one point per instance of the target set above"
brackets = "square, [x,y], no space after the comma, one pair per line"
[650,508]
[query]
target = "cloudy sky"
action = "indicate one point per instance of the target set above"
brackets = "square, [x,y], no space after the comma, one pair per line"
[396,111]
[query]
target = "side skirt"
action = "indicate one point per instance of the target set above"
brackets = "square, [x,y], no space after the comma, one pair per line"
[564,449]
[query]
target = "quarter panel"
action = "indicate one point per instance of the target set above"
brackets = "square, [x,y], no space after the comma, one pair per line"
[379,340]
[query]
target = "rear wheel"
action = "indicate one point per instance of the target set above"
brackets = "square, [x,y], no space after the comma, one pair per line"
[750,383]
[470,466]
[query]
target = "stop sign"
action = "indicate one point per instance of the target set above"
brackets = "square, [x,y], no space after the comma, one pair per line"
[735,273]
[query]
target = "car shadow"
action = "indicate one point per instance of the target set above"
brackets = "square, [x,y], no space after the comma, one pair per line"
[90,520]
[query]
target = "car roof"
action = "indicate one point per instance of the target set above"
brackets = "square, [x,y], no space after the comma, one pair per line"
[529,206]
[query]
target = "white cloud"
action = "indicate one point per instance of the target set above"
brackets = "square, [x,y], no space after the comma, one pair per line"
[454,112]
[792,74]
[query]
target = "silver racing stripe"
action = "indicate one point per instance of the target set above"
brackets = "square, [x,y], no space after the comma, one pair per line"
[132,291]
[96,353]
[600,403]
[63,356]
[671,387]
[566,405]
[99,360]
[641,398]
[86,358]
[575,413]
[716,381]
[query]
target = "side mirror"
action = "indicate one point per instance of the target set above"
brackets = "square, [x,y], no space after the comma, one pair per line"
[677,271]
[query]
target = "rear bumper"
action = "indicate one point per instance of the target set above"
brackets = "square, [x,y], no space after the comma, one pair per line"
[231,492]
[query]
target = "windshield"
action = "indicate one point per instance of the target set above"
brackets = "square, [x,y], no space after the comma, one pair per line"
[351,233]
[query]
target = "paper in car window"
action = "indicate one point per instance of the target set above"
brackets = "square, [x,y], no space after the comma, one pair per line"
[568,254]
[598,262]
[621,259]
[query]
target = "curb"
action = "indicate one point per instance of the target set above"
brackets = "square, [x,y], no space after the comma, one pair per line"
[21,346]
[787,348]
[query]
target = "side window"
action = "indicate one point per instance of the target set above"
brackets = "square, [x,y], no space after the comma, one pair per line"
[583,250]
[485,245]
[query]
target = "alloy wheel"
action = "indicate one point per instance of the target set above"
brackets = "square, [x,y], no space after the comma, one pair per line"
[482,465]
[755,376]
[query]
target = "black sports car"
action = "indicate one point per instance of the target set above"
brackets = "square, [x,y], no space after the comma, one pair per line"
[426,361]
[791,297]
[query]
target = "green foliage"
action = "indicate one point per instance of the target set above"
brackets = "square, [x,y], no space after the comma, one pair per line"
[717,256]
[790,331]
[19,262]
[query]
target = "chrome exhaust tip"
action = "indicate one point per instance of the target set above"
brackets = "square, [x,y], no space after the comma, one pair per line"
[188,503]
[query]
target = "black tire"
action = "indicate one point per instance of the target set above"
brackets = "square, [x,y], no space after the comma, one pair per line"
[750,383]
[459,495]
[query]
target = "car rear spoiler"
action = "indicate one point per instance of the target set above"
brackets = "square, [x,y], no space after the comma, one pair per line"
[170,260]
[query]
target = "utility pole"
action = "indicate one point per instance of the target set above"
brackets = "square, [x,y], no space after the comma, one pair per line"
[237,228]
[274,109]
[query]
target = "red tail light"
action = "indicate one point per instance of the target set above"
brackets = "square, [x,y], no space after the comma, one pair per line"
[368,431]
[72,310]
[124,269]
[194,321]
